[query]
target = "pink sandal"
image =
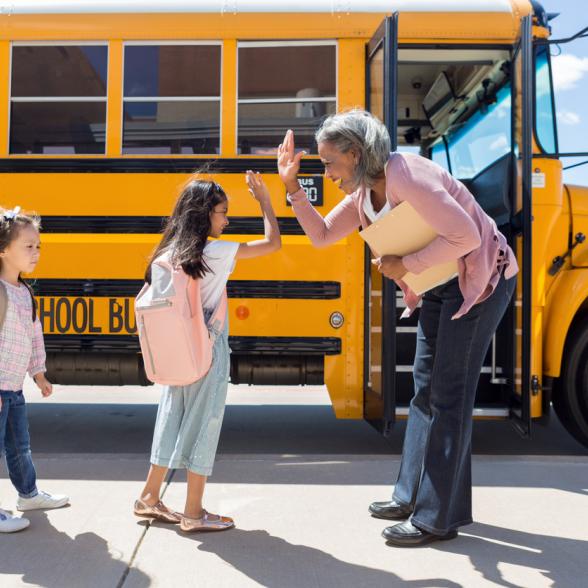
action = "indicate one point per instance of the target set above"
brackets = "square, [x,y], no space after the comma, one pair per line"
[207,522]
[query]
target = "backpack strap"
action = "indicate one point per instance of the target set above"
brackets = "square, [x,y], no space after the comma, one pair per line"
[217,320]
[3,304]
[33,301]
[4,301]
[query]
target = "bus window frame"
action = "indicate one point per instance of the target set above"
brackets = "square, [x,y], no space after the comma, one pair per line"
[385,38]
[443,140]
[536,47]
[487,165]
[156,43]
[260,44]
[57,99]
[583,33]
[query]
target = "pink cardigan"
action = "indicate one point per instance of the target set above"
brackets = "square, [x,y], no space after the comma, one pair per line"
[466,232]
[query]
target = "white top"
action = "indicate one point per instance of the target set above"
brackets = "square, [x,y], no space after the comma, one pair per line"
[219,256]
[368,208]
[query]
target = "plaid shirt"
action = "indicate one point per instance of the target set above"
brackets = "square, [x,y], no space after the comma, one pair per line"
[21,341]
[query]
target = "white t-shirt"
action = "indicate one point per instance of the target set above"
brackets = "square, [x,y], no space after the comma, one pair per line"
[368,208]
[219,256]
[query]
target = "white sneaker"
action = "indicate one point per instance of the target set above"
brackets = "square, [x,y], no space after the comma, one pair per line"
[12,524]
[42,500]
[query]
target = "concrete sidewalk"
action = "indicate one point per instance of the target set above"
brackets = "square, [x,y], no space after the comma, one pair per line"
[301,522]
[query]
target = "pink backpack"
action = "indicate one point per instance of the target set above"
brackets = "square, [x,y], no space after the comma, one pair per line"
[175,340]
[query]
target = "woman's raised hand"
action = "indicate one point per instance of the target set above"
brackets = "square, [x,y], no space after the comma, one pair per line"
[289,163]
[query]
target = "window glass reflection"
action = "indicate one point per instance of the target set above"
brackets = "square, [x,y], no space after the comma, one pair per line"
[57,128]
[162,127]
[57,71]
[262,126]
[172,70]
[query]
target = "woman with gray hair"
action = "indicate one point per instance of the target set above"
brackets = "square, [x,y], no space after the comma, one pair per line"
[456,322]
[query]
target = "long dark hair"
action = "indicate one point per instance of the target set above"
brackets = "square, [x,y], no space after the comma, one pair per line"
[187,229]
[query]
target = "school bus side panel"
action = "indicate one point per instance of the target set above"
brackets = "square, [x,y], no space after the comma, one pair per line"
[550,236]
[567,298]
[569,295]
[344,373]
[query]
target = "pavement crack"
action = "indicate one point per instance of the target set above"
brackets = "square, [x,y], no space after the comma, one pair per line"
[125,574]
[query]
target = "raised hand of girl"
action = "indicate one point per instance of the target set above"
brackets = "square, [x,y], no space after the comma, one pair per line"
[257,187]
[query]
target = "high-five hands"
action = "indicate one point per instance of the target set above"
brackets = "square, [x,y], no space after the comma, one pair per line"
[289,163]
[257,187]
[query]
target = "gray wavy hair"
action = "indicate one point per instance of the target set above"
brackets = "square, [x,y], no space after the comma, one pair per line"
[359,130]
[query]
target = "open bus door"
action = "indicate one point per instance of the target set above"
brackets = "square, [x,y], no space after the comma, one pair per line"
[380,293]
[522,92]
[381,344]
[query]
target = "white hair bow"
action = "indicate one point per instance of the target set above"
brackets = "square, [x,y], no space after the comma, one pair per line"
[10,215]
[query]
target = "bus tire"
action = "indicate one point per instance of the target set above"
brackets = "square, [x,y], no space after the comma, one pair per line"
[570,397]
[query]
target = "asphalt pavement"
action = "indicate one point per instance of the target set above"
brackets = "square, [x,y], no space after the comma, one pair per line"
[298,483]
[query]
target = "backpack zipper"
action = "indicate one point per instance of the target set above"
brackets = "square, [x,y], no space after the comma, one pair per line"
[161,303]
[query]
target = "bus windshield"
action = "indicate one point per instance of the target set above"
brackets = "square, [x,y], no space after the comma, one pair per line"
[483,139]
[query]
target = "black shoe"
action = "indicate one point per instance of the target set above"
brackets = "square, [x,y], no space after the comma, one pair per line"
[407,535]
[390,510]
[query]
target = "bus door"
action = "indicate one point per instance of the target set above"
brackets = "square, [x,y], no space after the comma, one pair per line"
[524,383]
[380,293]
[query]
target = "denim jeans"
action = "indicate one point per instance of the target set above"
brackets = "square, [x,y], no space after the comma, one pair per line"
[435,471]
[15,441]
[189,418]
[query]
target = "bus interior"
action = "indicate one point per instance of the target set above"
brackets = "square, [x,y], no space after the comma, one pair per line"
[454,106]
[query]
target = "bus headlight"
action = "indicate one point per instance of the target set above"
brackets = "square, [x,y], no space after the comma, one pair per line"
[336,319]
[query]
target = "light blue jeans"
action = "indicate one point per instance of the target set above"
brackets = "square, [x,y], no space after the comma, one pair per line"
[189,418]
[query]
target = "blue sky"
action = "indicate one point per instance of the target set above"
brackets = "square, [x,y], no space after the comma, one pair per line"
[570,65]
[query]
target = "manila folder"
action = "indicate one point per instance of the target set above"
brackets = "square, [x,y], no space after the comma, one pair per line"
[402,231]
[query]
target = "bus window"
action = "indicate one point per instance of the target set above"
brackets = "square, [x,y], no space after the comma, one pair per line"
[439,155]
[171,99]
[271,101]
[544,121]
[58,99]
[483,139]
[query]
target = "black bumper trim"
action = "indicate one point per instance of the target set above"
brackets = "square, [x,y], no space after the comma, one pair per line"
[276,289]
[239,345]
[238,225]
[149,165]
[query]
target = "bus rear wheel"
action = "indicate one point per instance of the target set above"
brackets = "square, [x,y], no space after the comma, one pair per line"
[570,394]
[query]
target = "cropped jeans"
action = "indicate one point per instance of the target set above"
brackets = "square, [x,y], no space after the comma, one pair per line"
[435,471]
[15,441]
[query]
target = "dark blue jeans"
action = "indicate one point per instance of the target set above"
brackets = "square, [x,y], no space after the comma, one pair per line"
[435,472]
[15,441]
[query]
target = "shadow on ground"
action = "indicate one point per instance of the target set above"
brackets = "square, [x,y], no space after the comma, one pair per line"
[282,429]
[491,549]
[47,557]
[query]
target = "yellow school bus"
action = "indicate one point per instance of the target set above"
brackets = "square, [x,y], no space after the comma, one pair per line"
[109,107]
